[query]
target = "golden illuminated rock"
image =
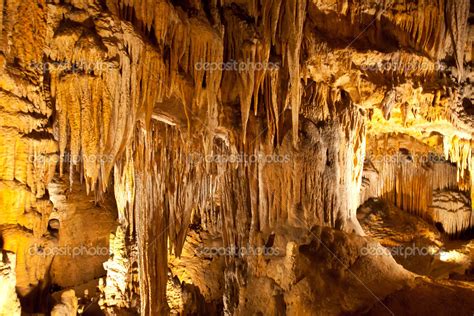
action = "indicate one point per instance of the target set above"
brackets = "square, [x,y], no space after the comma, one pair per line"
[191,127]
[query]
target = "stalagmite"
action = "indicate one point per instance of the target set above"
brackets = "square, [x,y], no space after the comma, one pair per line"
[9,303]
[116,292]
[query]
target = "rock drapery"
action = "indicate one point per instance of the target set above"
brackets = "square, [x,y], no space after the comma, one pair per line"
[167,105]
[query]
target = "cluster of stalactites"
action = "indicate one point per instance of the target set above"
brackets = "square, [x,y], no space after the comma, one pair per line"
[193,43]
[279,26]
[97,112]
[313,185]
[445,22]
[407,182]
[163,178]
[436,28]
[426,187]
[459,151]
[158,186]
[452,209]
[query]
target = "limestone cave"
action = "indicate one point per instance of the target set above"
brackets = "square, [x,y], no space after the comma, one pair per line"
[236,157]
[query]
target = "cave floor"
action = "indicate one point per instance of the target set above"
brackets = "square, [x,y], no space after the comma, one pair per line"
[416,244]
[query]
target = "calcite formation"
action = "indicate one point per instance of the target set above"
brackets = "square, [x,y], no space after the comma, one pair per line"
[452,209]
[252,123]
[68,305]
[9,303]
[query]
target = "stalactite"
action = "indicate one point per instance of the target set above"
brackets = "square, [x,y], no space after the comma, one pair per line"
[457,13]
[124,188]
[417,181]
[388,102]
[354,170]
[156,54]
[118,105]
[410,184]
[243,50]
[292,34]
[254,191]
[158,212]
[459,151]
[452,210]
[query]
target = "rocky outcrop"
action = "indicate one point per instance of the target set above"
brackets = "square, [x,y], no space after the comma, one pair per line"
[287,279]
[68,305]
[83,231]
[117,289]
[9,303]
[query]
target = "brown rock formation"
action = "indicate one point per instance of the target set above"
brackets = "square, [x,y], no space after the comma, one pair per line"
[231,125]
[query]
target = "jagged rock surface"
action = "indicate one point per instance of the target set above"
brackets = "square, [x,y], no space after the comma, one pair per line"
[111,91]
[9,303]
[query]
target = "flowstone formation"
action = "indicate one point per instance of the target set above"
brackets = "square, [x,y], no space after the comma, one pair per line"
[219,152]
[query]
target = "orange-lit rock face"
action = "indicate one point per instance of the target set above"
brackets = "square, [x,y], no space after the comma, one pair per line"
[176,134]
[83,230]
[9,303]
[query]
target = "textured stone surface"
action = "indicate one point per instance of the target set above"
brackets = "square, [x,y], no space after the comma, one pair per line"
[452,210]
[83,236]
[114,94]
[68,305]
[9,303]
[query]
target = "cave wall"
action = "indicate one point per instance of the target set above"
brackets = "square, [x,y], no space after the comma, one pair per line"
[110,91]
[418,177]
